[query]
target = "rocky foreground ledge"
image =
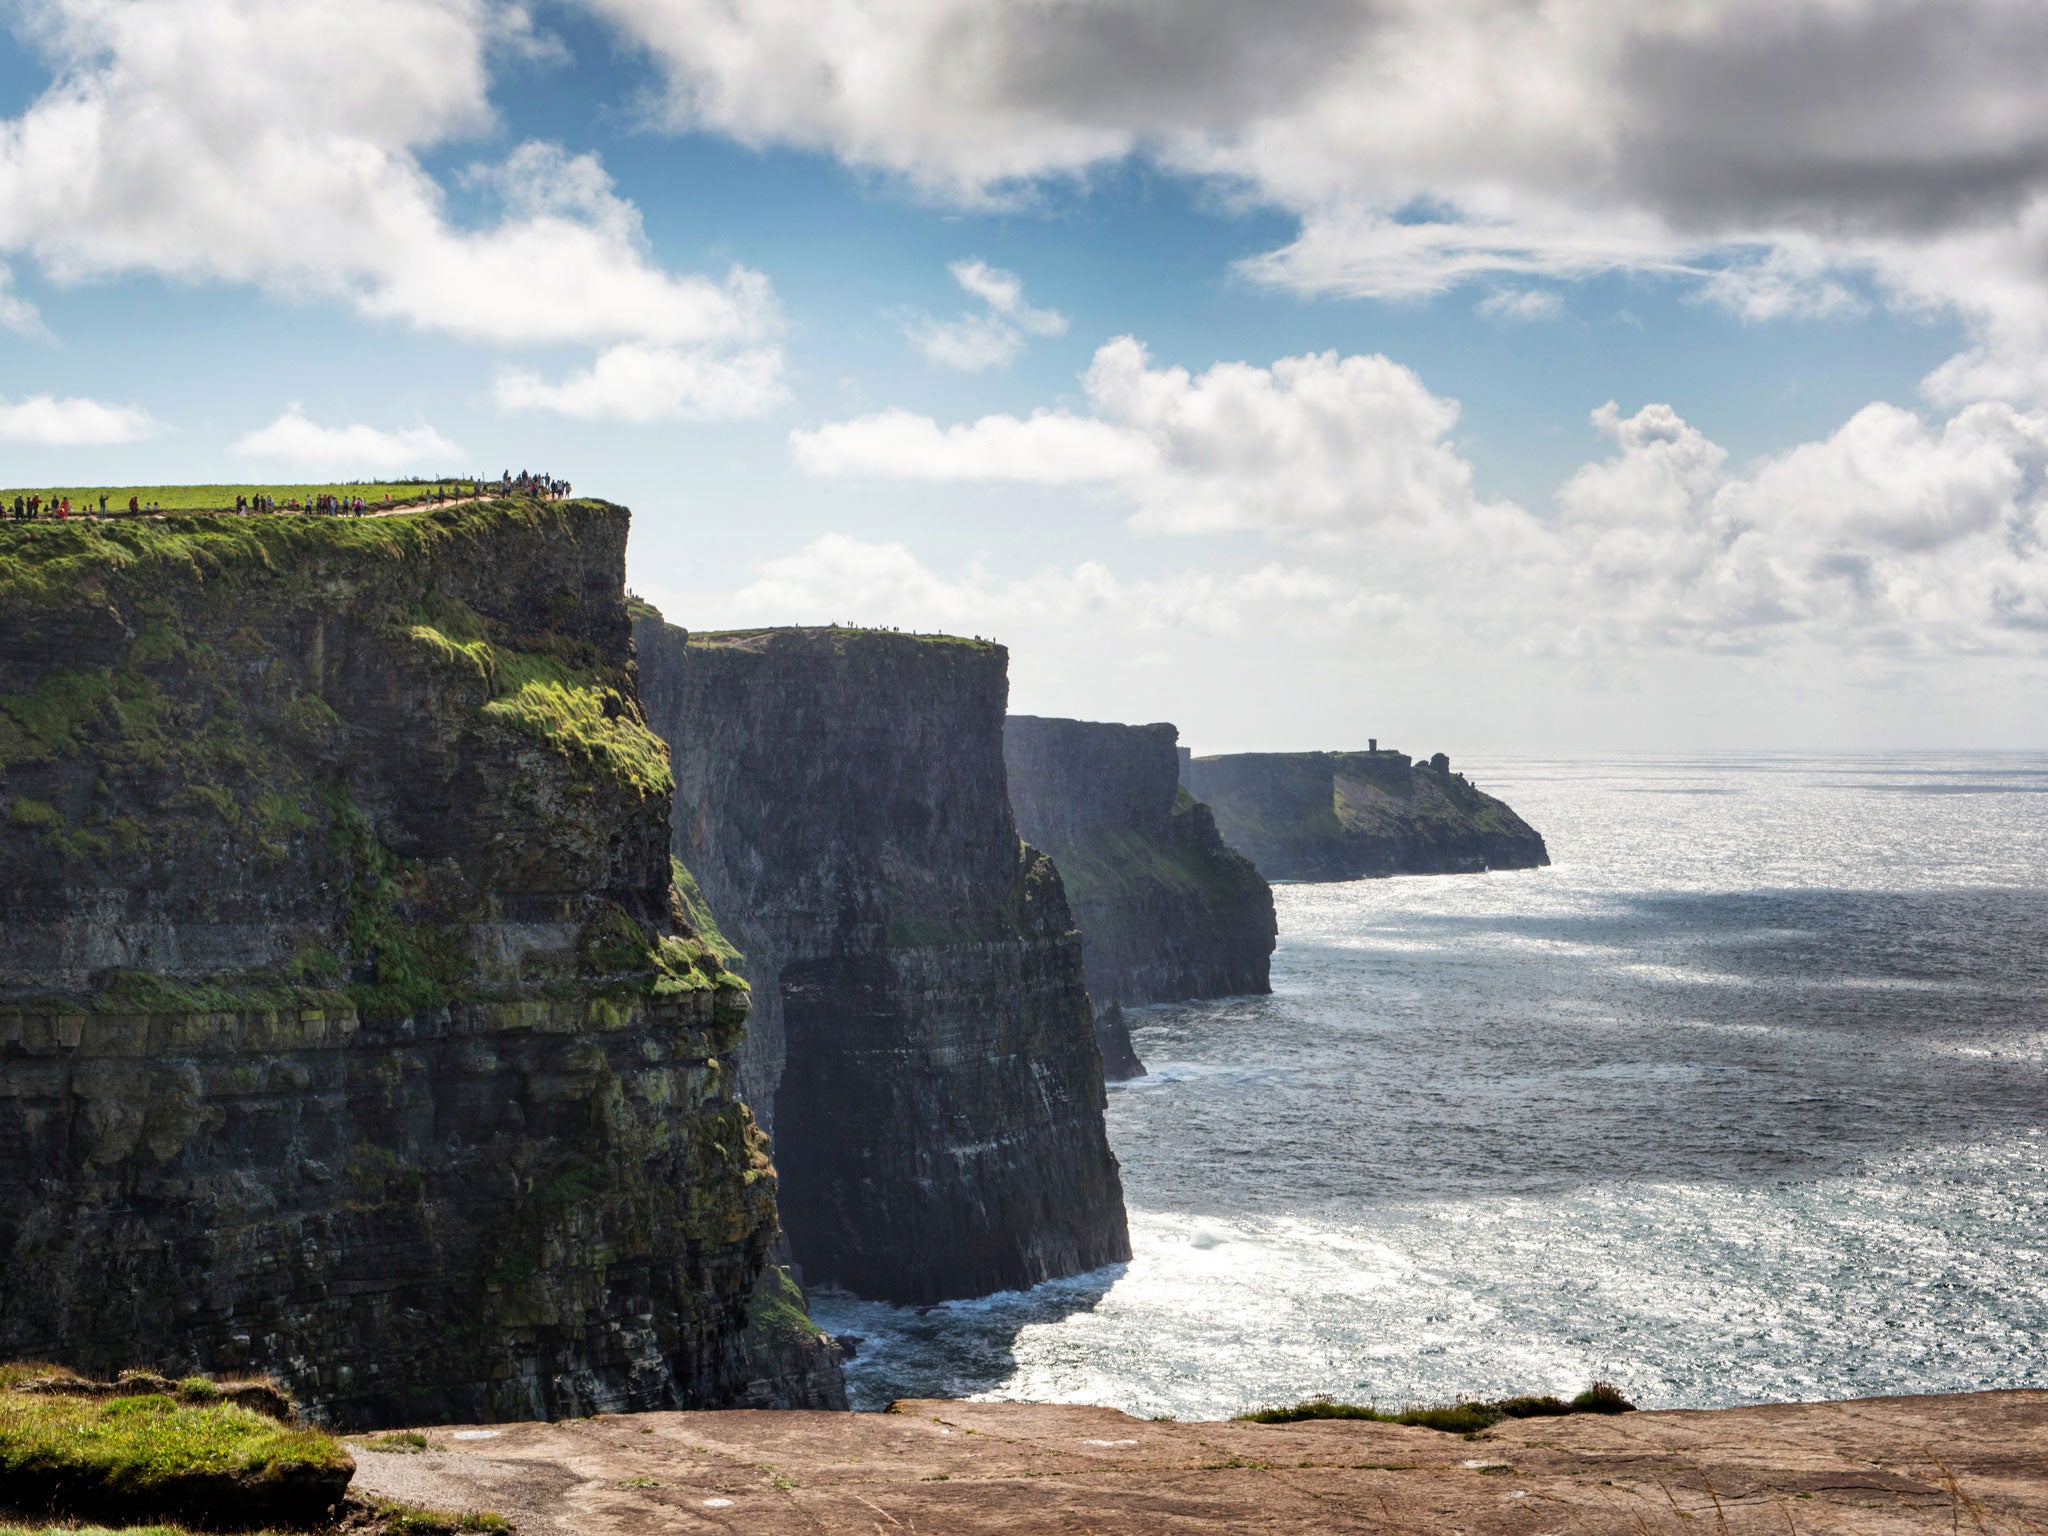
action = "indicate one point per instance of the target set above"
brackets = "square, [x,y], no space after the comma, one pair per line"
[1974,1463]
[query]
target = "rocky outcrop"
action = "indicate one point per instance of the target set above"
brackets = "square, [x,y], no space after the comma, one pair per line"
[1167,912]
[921,1042]
[350,1029]
[1347,815]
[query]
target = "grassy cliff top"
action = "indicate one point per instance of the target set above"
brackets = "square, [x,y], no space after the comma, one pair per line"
[53,560]
[1388,753]
[217,498]
[829,634]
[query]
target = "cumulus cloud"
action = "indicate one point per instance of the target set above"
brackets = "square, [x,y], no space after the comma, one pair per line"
[279,145]
[991,338]
[1895,531]
[44,421]
[1317,446]
[297,441]
[1786,155]
[638,383]
[884,581]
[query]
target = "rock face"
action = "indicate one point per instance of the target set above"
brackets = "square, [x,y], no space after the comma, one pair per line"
[1347,815]
[350,1028]
[921,1044]
[1167,912]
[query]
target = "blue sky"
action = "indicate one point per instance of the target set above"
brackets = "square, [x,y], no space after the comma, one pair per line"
[817,286]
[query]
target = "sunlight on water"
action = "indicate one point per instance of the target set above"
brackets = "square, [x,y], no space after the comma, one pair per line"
[1743,1099]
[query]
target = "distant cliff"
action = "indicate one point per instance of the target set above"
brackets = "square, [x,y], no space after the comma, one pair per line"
[349,1026]
[1345,815]
[921,1045]
[1167,912]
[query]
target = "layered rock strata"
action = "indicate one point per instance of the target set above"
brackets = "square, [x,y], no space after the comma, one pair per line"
[1347,815]
[1167,912]
[921,1045]
[350,1029]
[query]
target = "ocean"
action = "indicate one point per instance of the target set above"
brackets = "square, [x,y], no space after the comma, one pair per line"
[1744,1099]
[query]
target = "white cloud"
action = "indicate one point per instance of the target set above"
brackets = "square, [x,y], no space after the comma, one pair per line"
[968,344]
[279,145]
[16,313]
[48,422]
[1049,448]
[1521,305]
[838,577]
[1317,446]
[990,339]
[637,383]
[1894,531]
[296,440]
[1003,292]
[1888,532]
[1788,156]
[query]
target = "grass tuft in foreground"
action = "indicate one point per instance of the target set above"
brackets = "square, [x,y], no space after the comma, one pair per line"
[156,1456]
[1464,1418]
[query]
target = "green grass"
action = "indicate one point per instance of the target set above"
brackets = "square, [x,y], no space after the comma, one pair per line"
[405,1520]
[129,1449]
[575,709]
[216,498]
[701,917]
[405,1442]
[53,563]
[1466,1418]
[776,1315]
[842,631]
[580,716]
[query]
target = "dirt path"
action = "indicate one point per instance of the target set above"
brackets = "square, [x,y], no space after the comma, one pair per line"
[374,509]
[1974,1465]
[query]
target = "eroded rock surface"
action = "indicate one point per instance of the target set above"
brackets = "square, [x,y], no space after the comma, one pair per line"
[1931,1466]
[921,1044]
[349,1026]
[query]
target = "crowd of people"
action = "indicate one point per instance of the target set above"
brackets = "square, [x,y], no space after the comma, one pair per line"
[31,506]
[525,484]
[27,508]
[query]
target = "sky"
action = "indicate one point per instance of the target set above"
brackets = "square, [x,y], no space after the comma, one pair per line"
[1477,375]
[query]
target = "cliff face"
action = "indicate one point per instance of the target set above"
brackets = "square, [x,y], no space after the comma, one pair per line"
[921,1043]
[1346,815]
[1166,910]
[349,1027]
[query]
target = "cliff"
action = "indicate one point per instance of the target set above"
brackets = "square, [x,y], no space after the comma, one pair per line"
[349,1026]
[1167,912]
[1346,815]
[921,1045]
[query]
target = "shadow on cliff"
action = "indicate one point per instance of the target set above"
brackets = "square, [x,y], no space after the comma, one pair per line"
[954,1349]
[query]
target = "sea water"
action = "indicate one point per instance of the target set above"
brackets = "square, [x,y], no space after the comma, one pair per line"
[1745,1098]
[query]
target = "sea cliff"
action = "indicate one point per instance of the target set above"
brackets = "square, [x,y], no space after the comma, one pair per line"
[921,1044]
[1167,912]
[1347,815]
[350,1029]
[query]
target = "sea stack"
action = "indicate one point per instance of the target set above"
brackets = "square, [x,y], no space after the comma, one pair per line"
[1167,912]
[1348,815]
[921,1044]
[352,1031]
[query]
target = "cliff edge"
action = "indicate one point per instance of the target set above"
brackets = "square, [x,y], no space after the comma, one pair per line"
[1167,912]
[921,1047]
[351,1029]
[1348,815]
